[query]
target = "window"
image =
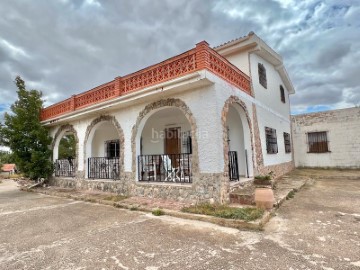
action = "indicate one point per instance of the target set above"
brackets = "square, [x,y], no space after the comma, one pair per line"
[317,142]
[187,142]
[287,142]
[112,148]
[271,141]
[262,75]
[282,94]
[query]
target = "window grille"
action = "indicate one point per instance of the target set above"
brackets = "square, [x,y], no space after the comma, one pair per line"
[287,142]
[186,142]
[271,140]
[282,94]
[262,75]
[318,142]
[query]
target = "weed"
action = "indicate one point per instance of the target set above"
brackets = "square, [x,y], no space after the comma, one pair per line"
[263,177]
[158,212]
[224,211]
[114,198]
[290,195]
[133,208]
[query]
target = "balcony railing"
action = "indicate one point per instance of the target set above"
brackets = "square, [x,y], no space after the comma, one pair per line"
[165,168]
[199,58]
[233,166]
[103,168]
[65,167]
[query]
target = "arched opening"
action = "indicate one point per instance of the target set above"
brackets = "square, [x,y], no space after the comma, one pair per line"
[103,150]
[164,145]
[240,162]
[65,152]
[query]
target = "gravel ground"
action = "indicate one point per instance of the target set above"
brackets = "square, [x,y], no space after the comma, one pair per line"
[318,229]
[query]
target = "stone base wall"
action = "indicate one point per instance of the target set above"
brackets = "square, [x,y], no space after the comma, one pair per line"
[207,187]
[278,169]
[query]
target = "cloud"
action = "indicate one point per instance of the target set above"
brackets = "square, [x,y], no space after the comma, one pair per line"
[66,47]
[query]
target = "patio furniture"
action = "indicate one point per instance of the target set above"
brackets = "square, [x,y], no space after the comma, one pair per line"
[171,172]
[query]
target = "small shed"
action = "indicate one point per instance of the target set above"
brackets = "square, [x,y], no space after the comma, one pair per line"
[9,168]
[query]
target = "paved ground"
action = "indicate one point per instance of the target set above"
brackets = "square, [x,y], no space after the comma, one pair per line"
[318,229]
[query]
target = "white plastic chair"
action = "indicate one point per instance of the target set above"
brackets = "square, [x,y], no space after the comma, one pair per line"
[170,171]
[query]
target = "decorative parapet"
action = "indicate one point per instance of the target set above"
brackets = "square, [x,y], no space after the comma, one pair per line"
[199,58]
[96,95]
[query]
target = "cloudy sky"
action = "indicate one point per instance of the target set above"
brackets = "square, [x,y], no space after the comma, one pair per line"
[64,47]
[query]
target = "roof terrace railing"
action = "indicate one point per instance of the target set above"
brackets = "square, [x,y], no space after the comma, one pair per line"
[199,58]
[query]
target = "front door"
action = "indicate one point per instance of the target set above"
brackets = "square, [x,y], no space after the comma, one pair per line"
[172,144]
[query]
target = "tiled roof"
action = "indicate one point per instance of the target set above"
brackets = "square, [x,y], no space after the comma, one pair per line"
[8,167]
[233,40]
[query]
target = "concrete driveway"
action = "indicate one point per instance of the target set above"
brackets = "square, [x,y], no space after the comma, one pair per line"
[318,229]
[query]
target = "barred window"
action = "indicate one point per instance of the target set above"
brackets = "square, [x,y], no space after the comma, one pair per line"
[287,142]
[282,94]
[262,75]
[318,142]
[271,140]
[186,142]
[112,148]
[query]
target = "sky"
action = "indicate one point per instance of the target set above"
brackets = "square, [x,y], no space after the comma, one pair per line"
[64,47]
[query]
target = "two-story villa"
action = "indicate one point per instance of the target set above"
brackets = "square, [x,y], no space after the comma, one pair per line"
[187,128]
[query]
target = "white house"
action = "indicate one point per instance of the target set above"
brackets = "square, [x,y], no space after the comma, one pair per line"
[186,128]
[327,139]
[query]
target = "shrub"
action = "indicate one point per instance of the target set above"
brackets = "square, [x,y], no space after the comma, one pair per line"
[158,212]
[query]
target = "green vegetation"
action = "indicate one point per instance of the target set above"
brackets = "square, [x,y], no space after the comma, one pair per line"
[6,158]
[290,195]
[158,212]
[27,138]
[67,147]
[224,211]
[263,177]
[115,198]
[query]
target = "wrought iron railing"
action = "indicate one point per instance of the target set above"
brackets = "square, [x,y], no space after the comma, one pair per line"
[233,166]
[165,168]
[65,167]
[103,168]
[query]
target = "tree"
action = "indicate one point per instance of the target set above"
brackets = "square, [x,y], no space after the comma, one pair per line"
[6,157]
[23,133]
[67,147]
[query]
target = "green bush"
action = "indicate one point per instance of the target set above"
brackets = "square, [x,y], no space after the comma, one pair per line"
[158,212]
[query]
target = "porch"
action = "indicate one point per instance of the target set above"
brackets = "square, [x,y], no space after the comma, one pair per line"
[165,168]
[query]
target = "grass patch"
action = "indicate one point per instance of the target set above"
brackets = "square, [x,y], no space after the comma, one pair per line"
[263,177]
[224,211]
[158,212]
[114,198]
[15,176]
[290,195]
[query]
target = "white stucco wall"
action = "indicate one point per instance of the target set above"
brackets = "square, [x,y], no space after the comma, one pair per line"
[104,132]
[271,111]
[343,129]
[271,95]
[241,60]
[153,134]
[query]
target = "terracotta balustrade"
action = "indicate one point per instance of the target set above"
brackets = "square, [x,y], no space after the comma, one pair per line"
[56,109]
[96,95]
[199,58]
